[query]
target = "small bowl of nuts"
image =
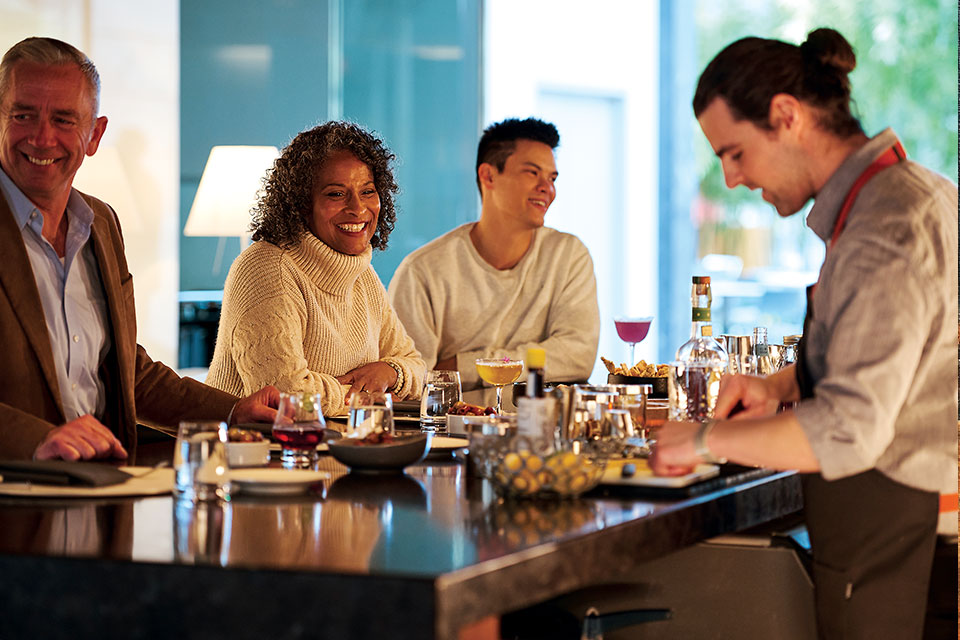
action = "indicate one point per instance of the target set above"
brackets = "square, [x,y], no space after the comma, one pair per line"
[247,448]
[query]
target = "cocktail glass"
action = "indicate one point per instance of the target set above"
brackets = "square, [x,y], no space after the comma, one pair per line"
[632,329]
[499,372]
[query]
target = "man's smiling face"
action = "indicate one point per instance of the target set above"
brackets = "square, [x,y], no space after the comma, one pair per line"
[525,189]
[47,126]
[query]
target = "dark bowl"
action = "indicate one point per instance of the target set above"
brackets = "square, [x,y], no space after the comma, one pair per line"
[380,458]
[659,384]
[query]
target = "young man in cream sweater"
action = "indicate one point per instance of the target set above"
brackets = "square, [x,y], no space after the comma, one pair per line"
[495,287]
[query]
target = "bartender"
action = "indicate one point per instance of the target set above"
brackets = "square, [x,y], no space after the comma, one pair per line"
[872,430]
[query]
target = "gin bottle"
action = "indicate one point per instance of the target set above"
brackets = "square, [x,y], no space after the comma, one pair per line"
[700,363]
[702,348]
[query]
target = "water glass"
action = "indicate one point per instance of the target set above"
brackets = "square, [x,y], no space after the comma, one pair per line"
[441,390]
[370,412]
[298,428]
[633,399]
[693,391]
[200,461]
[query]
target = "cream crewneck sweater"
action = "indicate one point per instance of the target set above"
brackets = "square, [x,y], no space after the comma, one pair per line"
[297,318]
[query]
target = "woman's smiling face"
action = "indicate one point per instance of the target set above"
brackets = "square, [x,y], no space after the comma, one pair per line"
[346,205]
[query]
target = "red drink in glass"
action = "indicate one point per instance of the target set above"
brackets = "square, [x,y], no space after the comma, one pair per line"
[632,330]
[298,436]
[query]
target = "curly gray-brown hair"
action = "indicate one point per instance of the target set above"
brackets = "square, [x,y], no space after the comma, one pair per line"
[286,200]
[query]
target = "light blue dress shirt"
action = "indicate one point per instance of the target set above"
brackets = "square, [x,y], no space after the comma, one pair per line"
[74,303]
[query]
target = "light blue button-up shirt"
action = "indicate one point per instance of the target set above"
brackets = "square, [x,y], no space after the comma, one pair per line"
[74,303]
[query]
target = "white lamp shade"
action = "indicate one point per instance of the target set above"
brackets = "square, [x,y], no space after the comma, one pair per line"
[228,190]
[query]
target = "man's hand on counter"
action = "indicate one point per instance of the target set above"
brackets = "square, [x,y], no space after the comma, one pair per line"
[260,406]
[82,439]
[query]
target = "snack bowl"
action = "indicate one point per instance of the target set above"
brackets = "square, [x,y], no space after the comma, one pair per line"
[390,457]
[248,454]
[659,384]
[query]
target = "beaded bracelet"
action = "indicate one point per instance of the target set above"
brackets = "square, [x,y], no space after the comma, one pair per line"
[399,383]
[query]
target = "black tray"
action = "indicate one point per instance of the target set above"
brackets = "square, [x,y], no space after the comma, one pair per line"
[659,384]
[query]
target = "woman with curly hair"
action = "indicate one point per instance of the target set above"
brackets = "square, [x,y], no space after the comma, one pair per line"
[303,308]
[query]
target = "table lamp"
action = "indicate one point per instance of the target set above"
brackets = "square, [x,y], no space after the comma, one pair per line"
[227,192]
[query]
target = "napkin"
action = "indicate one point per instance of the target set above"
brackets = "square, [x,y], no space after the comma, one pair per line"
[61,472]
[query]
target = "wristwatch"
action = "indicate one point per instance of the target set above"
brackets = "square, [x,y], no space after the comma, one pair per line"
[700,443]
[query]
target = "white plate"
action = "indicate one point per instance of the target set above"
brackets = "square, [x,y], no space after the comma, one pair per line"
[146,481]
[276,448]
[442,447]
[275,482]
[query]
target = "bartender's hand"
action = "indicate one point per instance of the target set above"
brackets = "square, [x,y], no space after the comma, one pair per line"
[82,439]
[260,406]
[674,453]
[743,396]
[373,376]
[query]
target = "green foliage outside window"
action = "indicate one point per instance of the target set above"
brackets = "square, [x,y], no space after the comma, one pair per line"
[906,75]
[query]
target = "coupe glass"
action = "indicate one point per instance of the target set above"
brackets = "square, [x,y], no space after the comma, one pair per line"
[499,372]
[632,330]
[298,428]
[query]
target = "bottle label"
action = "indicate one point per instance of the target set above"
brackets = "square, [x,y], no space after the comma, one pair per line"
[763,350]
[536,418]
[701,314]
[706,331]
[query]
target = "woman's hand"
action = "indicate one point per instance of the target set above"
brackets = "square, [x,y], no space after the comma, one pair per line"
[374,376]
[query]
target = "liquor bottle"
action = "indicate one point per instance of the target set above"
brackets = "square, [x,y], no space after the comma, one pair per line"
[761,349]
[536,413]
[701,362]
[702,348]
[789,357]
[790,349]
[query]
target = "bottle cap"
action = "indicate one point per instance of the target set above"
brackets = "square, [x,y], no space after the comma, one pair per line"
[536,358]
[701,279]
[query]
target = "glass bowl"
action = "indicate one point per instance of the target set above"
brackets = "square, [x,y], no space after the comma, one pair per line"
[519,466]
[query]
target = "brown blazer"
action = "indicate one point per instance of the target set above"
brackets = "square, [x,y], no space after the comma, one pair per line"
[137,388]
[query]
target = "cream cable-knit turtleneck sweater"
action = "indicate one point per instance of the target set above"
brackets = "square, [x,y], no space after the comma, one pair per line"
[297,318]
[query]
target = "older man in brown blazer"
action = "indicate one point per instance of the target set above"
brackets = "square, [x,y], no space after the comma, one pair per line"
[74,382]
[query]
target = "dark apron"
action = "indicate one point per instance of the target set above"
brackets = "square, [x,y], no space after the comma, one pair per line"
[872,538]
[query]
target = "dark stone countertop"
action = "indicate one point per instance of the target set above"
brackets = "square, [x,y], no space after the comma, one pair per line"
[409,556]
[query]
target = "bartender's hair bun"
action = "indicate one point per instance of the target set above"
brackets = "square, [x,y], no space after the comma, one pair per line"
[826,47]
[749,72]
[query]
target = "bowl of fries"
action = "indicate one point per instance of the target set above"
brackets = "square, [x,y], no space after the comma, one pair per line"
[641,373]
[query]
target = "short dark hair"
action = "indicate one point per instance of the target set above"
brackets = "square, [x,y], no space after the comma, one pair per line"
[499,140]
[749,72]
[286,199]
[50,51]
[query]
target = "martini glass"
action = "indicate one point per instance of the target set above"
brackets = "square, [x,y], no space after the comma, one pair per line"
[499,372]
[632,329]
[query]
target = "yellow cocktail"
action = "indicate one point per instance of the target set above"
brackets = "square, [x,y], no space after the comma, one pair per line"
[499,372]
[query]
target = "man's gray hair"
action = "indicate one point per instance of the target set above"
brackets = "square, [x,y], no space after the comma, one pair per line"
[50,51]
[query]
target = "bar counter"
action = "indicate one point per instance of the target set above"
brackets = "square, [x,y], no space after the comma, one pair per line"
[418,555]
